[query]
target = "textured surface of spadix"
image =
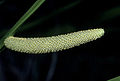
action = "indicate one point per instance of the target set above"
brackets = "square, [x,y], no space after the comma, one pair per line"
[54,43]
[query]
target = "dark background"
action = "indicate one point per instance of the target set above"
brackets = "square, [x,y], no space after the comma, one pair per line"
[95,61]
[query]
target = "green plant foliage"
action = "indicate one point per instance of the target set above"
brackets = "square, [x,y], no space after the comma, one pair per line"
[50,15]
[115,79]
[3,32]
[110,14]
[2,1]
[44,18]
[11,32]
[34,7]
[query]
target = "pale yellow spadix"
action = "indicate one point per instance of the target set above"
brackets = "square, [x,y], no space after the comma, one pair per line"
[53,43]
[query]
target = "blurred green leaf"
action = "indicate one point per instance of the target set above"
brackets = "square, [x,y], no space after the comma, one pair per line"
[60,29]
[110,14]
[50,15]
[3,32]
[115,79]
[2,1]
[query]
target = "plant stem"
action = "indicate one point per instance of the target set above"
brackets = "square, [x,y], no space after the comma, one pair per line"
[48,16]
[12,31]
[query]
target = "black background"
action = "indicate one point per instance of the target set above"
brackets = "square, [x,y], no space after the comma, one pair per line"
[95,61]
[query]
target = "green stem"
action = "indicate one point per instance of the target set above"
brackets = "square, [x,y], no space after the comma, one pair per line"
[32,9]
[50,15]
